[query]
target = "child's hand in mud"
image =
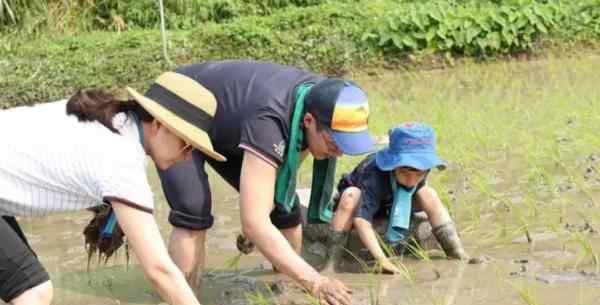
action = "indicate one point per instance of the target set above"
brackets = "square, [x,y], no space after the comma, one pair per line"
[244,245]
[330,291]
[387,266]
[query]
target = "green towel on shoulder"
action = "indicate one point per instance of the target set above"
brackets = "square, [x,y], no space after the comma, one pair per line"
[320,207]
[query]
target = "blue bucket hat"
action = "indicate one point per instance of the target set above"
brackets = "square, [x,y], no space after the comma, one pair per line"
[411,145]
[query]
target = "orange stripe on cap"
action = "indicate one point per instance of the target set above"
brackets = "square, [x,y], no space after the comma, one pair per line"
[351,118]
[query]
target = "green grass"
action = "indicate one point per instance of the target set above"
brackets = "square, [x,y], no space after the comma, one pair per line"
[587,250]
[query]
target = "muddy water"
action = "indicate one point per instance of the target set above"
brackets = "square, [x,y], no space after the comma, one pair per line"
[545,269]
[552,269]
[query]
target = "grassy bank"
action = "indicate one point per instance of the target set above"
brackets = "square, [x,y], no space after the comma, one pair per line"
[45,58]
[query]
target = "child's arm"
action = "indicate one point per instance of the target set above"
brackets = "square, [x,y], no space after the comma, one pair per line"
[369,238]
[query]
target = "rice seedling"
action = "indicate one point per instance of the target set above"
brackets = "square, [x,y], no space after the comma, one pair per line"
[526,294]
[257,299]
[376,268]
[405,272]
[313,301]
[586,250]
[376,289]
[392,253]
[374,295]
[233,262]
[415,248]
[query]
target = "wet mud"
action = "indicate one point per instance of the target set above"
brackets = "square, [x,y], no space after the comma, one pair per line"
[546,268]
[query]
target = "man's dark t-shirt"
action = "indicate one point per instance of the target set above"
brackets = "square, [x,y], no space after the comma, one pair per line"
[255,105]
[376,189]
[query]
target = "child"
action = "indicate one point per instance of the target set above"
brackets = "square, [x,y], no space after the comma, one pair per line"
[392,182]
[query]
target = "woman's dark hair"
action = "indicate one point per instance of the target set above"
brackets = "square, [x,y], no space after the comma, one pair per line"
[101,106]
[95,242]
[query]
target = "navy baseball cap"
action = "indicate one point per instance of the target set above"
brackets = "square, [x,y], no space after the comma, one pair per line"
[411,145]
[344,108]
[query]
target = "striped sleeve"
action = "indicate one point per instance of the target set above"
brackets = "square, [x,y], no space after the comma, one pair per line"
[124,179]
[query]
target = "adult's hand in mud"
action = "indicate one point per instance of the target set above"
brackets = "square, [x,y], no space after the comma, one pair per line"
[330,291]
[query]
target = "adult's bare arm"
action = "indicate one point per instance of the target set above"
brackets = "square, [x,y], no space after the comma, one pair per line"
[143,236]
[257,188]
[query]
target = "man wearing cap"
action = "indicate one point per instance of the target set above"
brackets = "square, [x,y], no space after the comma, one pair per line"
[392,183]
[268,118]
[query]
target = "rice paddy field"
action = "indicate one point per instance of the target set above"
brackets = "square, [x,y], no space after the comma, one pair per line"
[523,184]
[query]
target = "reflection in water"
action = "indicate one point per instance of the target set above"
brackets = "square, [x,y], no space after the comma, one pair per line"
[455,284]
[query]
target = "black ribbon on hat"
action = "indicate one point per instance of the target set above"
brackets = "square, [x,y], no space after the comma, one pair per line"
[180,107]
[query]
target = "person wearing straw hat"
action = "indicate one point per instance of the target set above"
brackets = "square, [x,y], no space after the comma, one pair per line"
[268,118]
[392,183]
[85,153]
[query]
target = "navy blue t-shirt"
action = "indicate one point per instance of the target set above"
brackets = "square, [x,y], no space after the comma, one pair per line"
[255,103]
[376,190]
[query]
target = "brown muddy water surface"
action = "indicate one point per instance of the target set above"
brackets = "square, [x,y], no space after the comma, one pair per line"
[554,268]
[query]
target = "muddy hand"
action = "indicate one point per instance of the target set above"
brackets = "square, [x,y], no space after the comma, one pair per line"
[330,291]
[244,245]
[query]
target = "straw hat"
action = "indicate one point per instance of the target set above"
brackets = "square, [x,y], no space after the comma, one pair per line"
[184,106]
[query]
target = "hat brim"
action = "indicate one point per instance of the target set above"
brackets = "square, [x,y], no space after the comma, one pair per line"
[191,134]
[424,161]
[353,143]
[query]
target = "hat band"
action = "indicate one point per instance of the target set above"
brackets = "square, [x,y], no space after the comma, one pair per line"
[180,107]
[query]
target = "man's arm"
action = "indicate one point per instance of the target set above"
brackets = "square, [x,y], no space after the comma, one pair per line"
[257,189]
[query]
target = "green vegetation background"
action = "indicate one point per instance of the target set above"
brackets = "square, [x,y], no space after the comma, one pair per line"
[50,48]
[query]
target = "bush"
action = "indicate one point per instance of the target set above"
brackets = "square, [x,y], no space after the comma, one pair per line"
[583,20]
[119,15]
[325,38]
[330,37]
[471,29]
